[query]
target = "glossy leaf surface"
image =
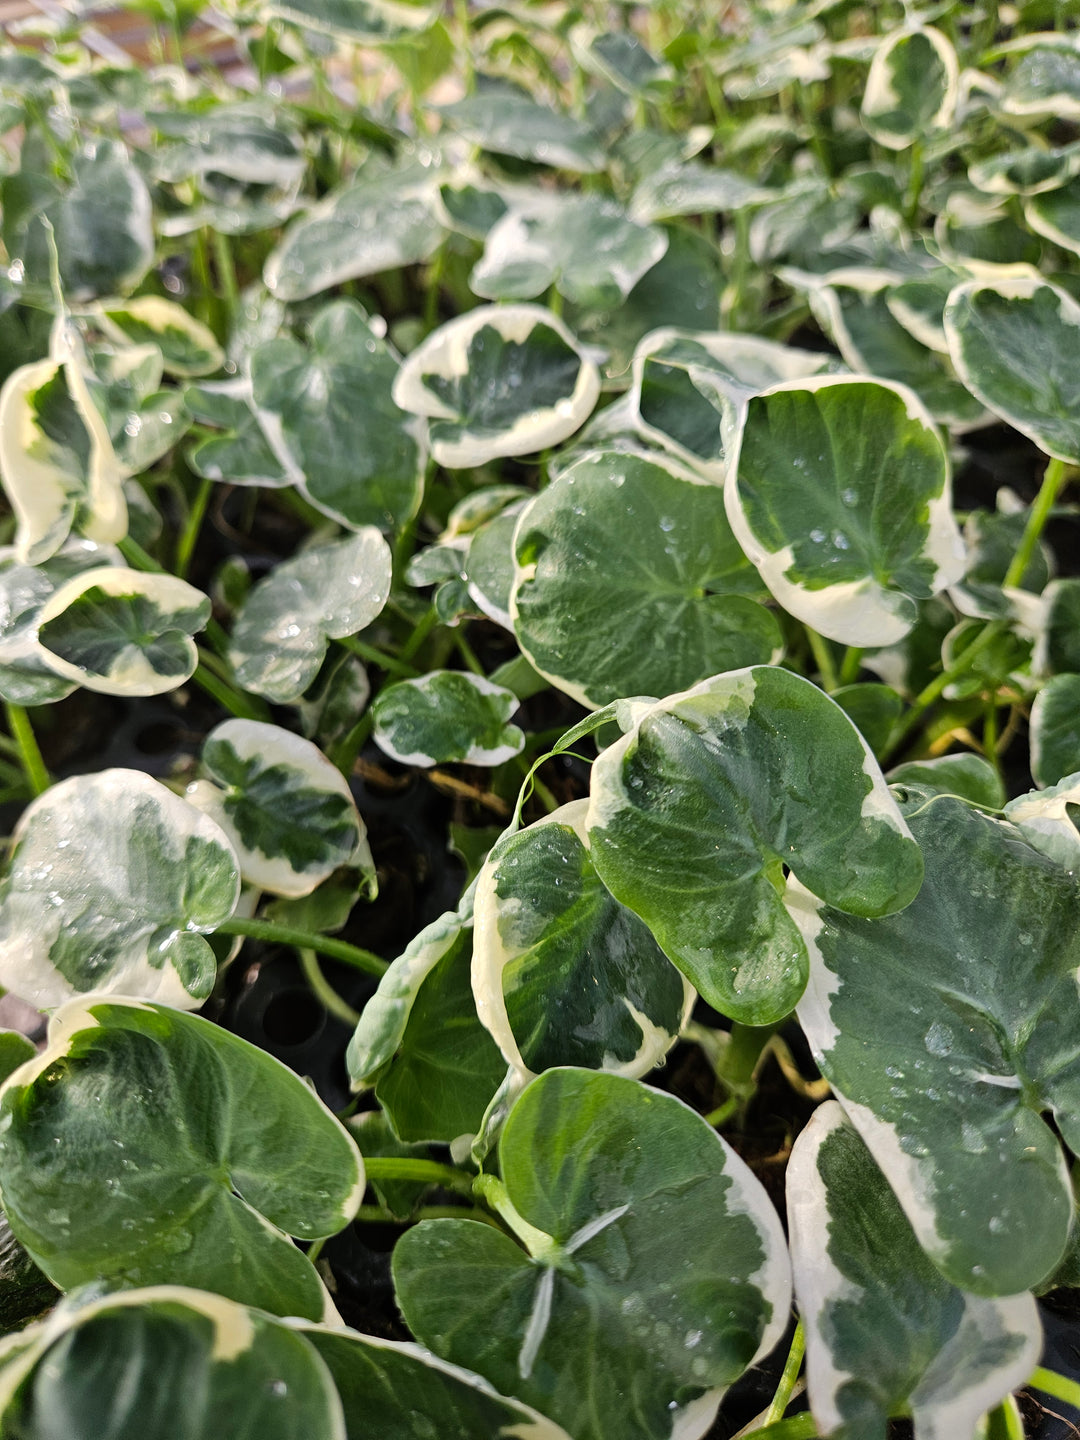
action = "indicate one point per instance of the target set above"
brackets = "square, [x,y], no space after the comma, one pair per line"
[446,716]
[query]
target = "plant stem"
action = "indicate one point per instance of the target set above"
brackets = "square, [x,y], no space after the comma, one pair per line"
[22,732]
[325,992]
[374,656]
[782,1399]
[915,179]
[232,700]
[376,1215]
[1005,1422]
[426,1172]
[275,934]
[421,630]
[138,558]
[226,273]
[185,545]
[348,748]
[467,653]
[937,687]
[850,665]
[493,1192]
[1059,1386]
[798,1427]
[823,659]
[1052,481]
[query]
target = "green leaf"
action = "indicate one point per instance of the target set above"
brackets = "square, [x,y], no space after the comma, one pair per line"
[188,347]
[562,973]
[390,1390]
[499,380]
[1057,216]
[657,1272]
[696,812]
[26,678]
[585,246]
[144,422]
[15,1050]
[372,22]
[646,552]
[1047,819]
[1055,730]
[285,624]
[969,776]
[380,222]
[1016,345]
[357,457]
[839,491]
[446,716]
[886,1333]
[1061,599]
[419,1041]
[242,455]
[112,882]
[873,709]
[288,813]
[489,565]
[123,632]
[1046,83]
[240,141]
[503,119]
[689,188]
[945,1032]
[147,1146]
[167,1360]
[1029,171]
[912,86]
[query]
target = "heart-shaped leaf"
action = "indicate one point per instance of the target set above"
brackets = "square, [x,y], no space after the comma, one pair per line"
[886,1333]
[287,811]
[112,883]
[696,812]
[839,491]
[656,1270]
[147,1146]
[123,632]
[445,716]
[420,1026]
[912,87]
[1016,345]
[188,347]
[562,973]
[242,455]
[946,1030]
[647,553]
[499,380]
[285,624]
[359,457]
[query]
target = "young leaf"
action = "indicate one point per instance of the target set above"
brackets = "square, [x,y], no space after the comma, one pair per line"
[145,1146]
[360,459]
[646,552]
[1015,343]
[562,973]
[285,624]
[839,491]
[657,1269]
[287,811]
[499,380]
[113,883]
[885,1332]
[420,1027]
[944,1031]
[447,716]
[123,632]
[1046,819]
[697,810]
[911,88]
[188,347]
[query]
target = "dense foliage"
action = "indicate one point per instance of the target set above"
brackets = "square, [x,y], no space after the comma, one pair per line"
[621,453]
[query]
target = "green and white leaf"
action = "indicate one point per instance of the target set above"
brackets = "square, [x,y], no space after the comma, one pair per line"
[966,775]
[419,1042]
[629,580]
[401,1387]
[696,813]
[283,628]
[873,709]
[225,1154]
[288,813]
[1055,730]
[690,188]
[1046,83]
[585,246]
[447,716]
[1016,345]
[912,86]
[1029,171]
[143,1362]
[505,120]
[144,421]
[26,677]
[188,347]
[886,1333]
[1056,216]
[372,22]
[1046,818]
[242,455]
[326,410]
[839,491]
[947,1087]
[239,141]
[499,380]
[562,973]
[656,1270]
[489,565]
[1059,649]
[113,883]
[57,462]
[380,222]
[123,632]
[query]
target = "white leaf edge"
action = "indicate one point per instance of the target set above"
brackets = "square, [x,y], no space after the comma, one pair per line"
[159,315]
[503,699]
[879,96]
